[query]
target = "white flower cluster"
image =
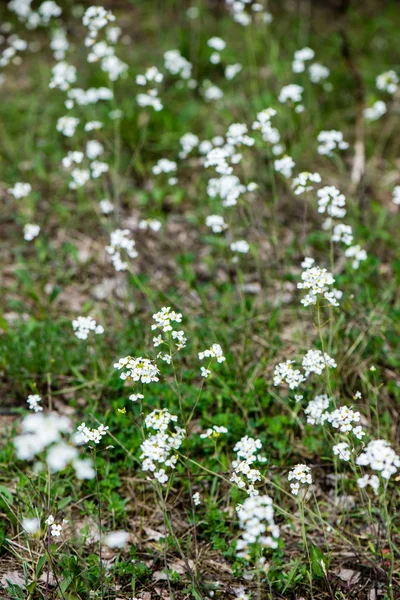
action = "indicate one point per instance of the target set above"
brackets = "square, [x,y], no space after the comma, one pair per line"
[176,64]
[300,57]
[214,352]
[315,362]
[343,419]
[216,223]
[55,528]
[379,455]
[388,82]
[95,19]
[395,196]
[227,187]
[163,320]
[302,475]
[329,141]
[357,253]
[91,435]
[9,54]
[292,94]
[269,134]
[214,431]
[217,44]
[316,410]
[164,166]
[244,475]
[330,200]
[256,518]
[137,369]
[44,432]
[158,449]
[284,372]
[317,282]
[33,401]
[245,11]
[67,125]
[63,75]
[31,231]
[318,72]
[285,166]
[342,233]
[376,111]
[20,190]
[120,242]
[371,480]
[34,18]
[302,183]
[87,97]
[82,327]
[342,450]
[189,141]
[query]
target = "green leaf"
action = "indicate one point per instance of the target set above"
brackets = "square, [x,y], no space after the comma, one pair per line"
[40,565]
[6,494]
[319,563]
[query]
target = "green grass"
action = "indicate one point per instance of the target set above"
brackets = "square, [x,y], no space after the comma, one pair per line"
[174,551]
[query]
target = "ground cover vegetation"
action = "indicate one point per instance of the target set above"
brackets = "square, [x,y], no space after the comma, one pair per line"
[199,319]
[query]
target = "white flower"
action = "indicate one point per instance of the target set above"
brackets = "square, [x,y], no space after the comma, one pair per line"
[318,72]
[62,76]
[31,526]
[164,166]
[67,125]
[256,519]
[291,93]
[212,92]
[331,201]
[342,233]
[284,372]
[342,450]
[316,410]
[380,457]
[216,223]
[137,369]
[237,134]
[116,539]
[357,253]
[330,141]
[82,327]
[33,402]
[20,190]
[302,182]
[302,475]
[196,498]
[94,149]
[106,206]
[376,111]
[204,372]
[317,282]
[372,480]
[232,70]
[304,54]
[121,243]
[387,82]
[308,262]
[92,435]
[343,418]
[216,43]
[176,64]
[214,352]
[136,397]
[188,142]
[214,431]
[315,362]
[395,197]
[31,231]
[241,246]
[285,166]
